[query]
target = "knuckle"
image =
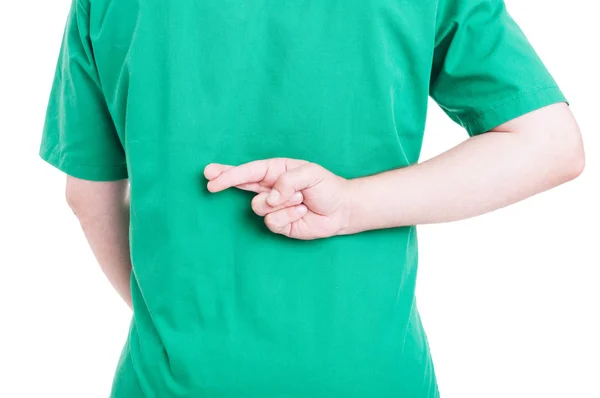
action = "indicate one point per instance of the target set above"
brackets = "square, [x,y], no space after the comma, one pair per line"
[271,222]
[257,204]
[313,167]
[291,213]
[285,180]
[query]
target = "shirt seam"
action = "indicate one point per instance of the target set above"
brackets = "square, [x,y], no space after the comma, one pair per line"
[86,9]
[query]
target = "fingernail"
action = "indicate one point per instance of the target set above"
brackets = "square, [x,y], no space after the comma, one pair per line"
[297,197]
[273,197]
[301,209]
[207,170]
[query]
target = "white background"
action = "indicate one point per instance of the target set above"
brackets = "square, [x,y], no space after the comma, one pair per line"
[510,300]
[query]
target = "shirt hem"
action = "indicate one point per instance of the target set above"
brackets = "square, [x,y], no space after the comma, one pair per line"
[518,106]
[84,172]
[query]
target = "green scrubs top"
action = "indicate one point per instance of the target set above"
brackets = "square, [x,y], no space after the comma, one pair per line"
[154,90]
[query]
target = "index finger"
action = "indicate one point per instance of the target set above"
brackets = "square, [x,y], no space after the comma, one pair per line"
[246,173]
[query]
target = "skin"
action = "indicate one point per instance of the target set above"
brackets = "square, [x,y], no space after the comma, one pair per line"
[103,212]
[303,200]
[516,160]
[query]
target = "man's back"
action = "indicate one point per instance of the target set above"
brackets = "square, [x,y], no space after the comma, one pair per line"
[222,306]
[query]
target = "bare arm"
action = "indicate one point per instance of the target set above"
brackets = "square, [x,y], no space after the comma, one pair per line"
[519,159]
[103,211]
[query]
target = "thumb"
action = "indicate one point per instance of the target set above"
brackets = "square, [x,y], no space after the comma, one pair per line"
[294,180]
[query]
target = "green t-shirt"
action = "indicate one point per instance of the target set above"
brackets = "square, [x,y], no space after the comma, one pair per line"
[155,90]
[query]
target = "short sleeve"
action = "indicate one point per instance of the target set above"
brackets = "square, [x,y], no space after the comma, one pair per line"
[79,136]
[485,72]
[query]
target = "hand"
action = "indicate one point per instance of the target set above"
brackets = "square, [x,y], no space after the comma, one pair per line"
[298,199]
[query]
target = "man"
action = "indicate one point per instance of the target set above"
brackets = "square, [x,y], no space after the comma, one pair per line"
[315,112]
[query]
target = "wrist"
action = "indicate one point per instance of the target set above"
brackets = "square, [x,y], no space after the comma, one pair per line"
[371,203]
[351,212]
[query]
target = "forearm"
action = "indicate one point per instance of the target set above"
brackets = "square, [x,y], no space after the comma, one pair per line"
[103,212]
[482,174]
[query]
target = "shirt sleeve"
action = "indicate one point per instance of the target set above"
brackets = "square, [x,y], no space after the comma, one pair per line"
[485,72]
[79,136]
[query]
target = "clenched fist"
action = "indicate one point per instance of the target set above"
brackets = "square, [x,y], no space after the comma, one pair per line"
[298,199]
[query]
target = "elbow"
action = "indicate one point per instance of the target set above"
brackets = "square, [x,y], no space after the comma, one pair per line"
[566,160]
[556,143]
[577,165]
[573,162]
